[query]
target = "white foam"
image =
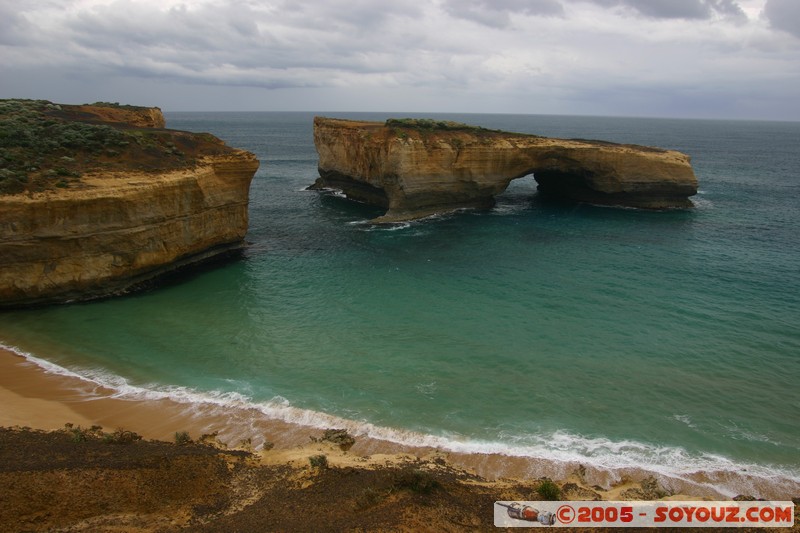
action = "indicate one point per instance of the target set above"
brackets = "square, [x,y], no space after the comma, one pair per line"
[427,389]
[331,191]
[738,433]
[559,446]
[48,367]
[700,200]
[368,225]
[507,209]
[684,419]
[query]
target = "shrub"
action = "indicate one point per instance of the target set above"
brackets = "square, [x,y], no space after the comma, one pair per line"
[417,481]
[79,434]
[339,437]
[318,461]
[369,497]
[121,436]
[182,438]
[548,490]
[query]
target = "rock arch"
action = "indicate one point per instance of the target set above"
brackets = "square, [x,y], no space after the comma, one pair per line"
[417,168]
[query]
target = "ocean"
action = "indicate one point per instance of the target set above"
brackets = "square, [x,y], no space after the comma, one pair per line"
[618,338]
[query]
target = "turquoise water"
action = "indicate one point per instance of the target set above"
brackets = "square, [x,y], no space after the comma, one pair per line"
[616,337]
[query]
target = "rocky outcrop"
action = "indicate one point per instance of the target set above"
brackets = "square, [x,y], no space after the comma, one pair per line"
[115,230]
[121,231]
[415,168]
[138,117]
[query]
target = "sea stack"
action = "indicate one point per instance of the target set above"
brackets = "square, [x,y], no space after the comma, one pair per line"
[418,167]
[98,200]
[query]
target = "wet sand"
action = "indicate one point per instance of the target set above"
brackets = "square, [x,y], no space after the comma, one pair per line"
[32,397]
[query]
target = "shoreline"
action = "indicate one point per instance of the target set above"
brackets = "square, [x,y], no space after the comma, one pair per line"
[37,398]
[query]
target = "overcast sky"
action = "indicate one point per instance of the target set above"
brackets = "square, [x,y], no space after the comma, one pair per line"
[666,58]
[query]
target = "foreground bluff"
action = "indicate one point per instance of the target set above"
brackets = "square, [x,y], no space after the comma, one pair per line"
[98,200]
[414,168]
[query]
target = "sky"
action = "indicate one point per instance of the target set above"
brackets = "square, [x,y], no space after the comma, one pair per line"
[726,59]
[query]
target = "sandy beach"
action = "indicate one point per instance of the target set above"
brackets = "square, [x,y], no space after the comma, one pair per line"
[43,400]
[37,399]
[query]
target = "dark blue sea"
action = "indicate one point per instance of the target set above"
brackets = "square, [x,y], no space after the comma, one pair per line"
[618,338]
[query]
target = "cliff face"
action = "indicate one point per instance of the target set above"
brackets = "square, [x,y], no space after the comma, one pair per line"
[121,231]
[416,168]
[112,230]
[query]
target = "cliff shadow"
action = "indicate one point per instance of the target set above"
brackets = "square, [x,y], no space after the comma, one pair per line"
[338,207]
[525,193]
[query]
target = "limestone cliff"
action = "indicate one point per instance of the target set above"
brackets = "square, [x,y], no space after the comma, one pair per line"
[124,221]
[415,168]
[139,117]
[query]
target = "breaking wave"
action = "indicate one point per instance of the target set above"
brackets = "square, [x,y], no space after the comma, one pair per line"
[729,477]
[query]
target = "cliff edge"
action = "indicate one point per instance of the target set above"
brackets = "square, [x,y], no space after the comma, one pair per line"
[415,168]
[99,200]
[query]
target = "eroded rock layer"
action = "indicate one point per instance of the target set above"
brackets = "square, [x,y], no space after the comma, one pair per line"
[113,230]
[415,168]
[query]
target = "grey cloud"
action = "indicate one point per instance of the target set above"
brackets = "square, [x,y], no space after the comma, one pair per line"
[729,8]
[679,9]
[498,13]
[359,15]
[686,9]
[13,27]
[122,25]
[436,52]
[255,46]
[784,15]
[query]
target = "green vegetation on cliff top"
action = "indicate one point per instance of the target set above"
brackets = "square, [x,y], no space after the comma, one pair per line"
[37,151]
[430,124]
[427,127]
[45,146]
[115,105]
